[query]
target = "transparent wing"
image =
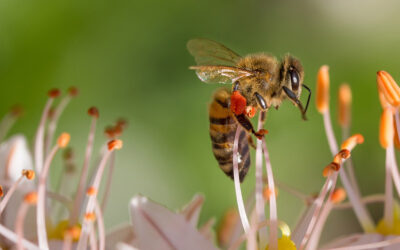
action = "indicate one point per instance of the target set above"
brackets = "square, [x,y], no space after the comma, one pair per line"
[208,52]
[220,74]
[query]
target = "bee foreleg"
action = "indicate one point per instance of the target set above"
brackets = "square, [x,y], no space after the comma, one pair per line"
[297,102]
[246,124]
[261,101]
[251,142]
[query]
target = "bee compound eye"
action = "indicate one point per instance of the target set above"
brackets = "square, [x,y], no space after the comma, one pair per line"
[294,78]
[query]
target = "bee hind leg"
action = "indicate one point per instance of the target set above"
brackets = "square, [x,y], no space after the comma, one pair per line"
[246,124]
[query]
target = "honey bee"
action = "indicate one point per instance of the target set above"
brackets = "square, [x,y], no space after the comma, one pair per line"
[223,127]
[259,81]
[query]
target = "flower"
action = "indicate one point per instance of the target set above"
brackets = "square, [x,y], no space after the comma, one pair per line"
[47,227]
[155,227]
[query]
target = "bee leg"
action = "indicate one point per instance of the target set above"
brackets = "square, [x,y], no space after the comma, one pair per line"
[261,101]
[292,96]
[251,142]
[246,124]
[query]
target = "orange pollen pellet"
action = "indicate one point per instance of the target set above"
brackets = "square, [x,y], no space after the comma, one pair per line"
[74,232]
[73,91]
[31,198]
[63,140]
[114,144]
[389,87]
[29,174]
[90,216]
[54,93]
[268,193]
[1,191]
[386,129]
[91,191]
[344,105]
[338,195]
[352,141]
[323,89]
[94,112]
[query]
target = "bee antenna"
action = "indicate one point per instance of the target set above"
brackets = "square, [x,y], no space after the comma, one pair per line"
[309,97]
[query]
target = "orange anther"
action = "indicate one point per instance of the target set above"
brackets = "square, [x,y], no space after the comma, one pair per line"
[74,232]
[122,123]
[91,191]
[63,140]
[31,198]
[54,93]
[382,99]
[114,144]
[352,141]
[344,153]
[344,105]
[332,167]
[268,193]
[396,136]
[386,129]
[73,91]
[68,154]
[338,195]
[238,103]
[388,86]
[16,110]
[29,174]
[323,89]
[109,131]
[117,130]
[1,191]
[90,216]
[94,112]
[226,229]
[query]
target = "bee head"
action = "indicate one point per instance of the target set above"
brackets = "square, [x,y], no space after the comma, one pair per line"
[291,74]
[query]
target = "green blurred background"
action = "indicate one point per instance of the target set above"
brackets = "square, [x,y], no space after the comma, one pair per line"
[129,58]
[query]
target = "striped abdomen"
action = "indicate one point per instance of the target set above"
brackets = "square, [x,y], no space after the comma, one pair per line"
[223,127]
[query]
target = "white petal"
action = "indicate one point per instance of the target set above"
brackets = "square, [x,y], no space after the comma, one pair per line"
[360,241]
[155,227]
[192,210]
[123,246]
[15,154]
[121,234]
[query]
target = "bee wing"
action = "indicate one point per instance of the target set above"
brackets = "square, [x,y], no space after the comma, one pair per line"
[208,52]
[220,74]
